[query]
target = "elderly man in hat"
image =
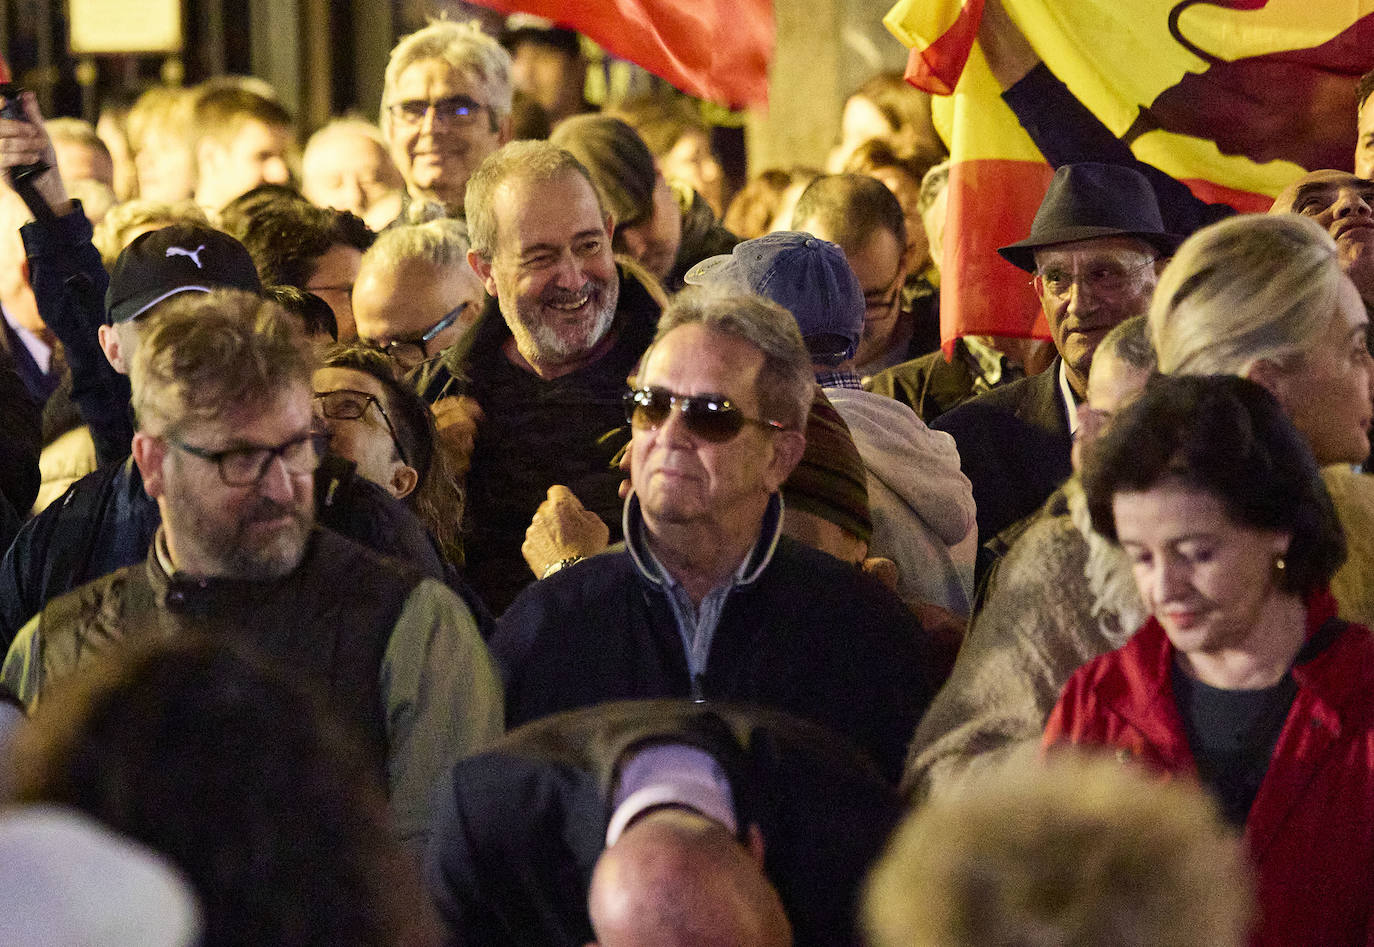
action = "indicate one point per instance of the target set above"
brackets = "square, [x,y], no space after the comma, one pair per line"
[1095,250]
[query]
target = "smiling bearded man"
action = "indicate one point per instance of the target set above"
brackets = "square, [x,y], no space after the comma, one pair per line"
[542,374]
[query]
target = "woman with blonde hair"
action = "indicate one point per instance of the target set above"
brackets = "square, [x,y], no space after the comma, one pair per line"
[1264,297]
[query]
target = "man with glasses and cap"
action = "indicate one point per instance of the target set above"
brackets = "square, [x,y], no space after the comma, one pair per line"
[707,599]
[227,446]
[1095,248]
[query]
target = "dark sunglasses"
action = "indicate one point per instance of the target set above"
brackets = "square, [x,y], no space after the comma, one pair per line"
[712,418]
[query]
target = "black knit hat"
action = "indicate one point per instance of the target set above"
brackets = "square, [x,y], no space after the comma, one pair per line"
[1086,201]
[179,259]
[831,481]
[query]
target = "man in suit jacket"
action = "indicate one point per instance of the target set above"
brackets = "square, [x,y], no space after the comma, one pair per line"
[523,825]
[1095,249]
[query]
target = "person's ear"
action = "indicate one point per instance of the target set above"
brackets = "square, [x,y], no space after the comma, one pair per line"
[753,843]
[404,480]
[1273,377]
[610,227]
[149,452]
[108,336]
[788,447]
[207,156]
[482,267]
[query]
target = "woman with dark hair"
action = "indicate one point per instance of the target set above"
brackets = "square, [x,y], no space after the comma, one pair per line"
[1243,677]
[206,756]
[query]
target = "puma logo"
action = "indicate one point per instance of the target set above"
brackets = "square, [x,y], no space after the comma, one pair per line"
[193,254]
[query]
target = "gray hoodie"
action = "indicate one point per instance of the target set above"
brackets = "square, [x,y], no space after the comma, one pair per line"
[922,504]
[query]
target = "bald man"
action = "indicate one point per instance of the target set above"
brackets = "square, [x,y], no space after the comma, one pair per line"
[676,878]
[415,295]
[658,822]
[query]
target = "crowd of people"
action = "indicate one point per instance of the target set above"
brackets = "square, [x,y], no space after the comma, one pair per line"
[484,527]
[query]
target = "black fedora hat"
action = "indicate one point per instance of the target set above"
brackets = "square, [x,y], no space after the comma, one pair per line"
[1089,200]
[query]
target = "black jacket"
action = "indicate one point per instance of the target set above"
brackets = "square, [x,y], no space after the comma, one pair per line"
[811,636]
[69,283]
[1014,447]
[20,437]
[536,433]
[517,830]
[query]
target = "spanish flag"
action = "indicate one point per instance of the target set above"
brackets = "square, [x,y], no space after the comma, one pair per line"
[1233,97]
[713,49]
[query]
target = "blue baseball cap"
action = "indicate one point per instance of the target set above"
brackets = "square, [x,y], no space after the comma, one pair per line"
[807,276]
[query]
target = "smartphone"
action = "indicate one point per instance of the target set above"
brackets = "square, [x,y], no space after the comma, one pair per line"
[14,109]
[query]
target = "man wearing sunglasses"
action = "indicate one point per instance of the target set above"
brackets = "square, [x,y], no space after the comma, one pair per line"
[707,599]
[227,446]
[922,506]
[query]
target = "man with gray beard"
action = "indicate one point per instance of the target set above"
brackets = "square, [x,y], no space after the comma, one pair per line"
[227,446]
[540,385]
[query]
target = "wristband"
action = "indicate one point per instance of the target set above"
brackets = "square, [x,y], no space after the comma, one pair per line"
[553,567]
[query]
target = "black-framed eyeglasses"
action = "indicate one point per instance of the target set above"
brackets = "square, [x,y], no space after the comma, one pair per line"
[349,404]
[245,466]
[456,109]
[415,349]
[712,418]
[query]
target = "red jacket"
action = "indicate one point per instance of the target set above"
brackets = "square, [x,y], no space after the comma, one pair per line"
[1310,831]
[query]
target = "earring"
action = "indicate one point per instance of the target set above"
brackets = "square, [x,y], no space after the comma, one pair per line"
[1280,564]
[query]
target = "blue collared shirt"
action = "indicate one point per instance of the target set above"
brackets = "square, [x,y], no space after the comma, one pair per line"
[697,624]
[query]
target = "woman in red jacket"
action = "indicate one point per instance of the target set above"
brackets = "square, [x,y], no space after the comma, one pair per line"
[1244,678]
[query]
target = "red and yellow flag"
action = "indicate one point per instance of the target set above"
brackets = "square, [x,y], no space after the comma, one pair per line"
[713,49]
[1233,97]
